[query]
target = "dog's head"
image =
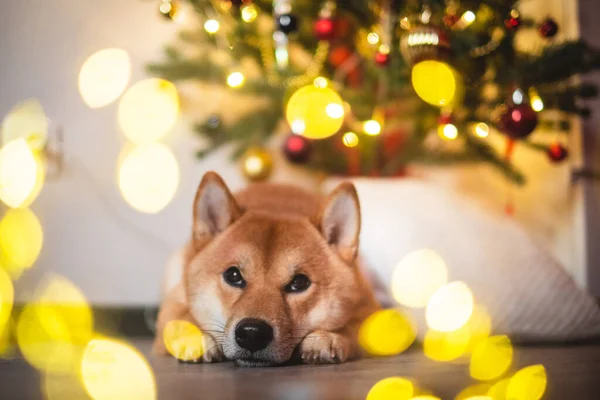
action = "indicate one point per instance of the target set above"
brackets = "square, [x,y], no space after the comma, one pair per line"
[260,282]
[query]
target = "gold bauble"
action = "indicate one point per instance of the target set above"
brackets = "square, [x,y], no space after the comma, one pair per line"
[257,164]
[315,112]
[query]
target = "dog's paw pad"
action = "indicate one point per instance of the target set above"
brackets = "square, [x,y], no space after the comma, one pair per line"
[322,347]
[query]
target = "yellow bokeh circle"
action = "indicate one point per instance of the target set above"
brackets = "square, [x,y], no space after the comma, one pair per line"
[528,383]
[446,346]
[104,76]
[21,237]
[386,333]
[396,388]
[149,177]
[183,340]
[148,110]
[308,107]
[491,358]
[450,307]
[53,329]
[436,83]
[112,370]
[417,276]
[6,300]
[27,121]
[18,173]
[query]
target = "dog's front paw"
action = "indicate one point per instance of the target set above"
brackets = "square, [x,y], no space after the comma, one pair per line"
[212,351]
[321,347]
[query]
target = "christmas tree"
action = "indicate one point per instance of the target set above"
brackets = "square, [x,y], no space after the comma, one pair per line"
[369,87]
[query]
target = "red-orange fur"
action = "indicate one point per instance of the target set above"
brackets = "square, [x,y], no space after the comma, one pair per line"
[272,232]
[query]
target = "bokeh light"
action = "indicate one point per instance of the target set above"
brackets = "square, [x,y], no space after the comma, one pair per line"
[309,104]
[211,26]
[350,139]
[112,370]
[63,387]
[468,17]
[446,346]
[435,82]
[477,391]
[249,13]
[491,358]
[235,79]
[148,110]
[183,340]
[396,388]
[53,329]
[40,176]
[426,397]
[386,333]
[450,307]
[482,130]
[321,82]
[448,131]
[104,76]
[18,173]
[528,383]
[479,326]
[498,389]
[373,38]
[417,276]
[372,127]
[28,121]
[6,300]
[21,237]
[148,177]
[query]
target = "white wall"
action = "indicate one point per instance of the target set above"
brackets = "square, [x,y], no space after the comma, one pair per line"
[113,253]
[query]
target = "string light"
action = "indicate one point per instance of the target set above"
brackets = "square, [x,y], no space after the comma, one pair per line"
[18,173]
[350,139]
[468,17]
[517,97]
[321,82]
[448,131]
[335,110]
[372,127]
[235,79]
[417,276]
[450,307]
[536,101]
[104,76]
[373,38]
[482,130]
[249,13]
[391,388]
[211,26]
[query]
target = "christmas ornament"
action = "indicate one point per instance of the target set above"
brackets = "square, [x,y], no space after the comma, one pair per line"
[297,149]
[548,28]
[382,59]
[169,8]
[324,29]
[425,42]
[513,22]
[257,164]
[436,83]
[518,121]
[212,124]
[339,55]
[287,23]
[557,152]
[315,112]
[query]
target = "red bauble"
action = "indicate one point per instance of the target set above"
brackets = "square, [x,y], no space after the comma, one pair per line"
[339,54]
[450,20]
[324,29]
[445,119]
[297,149]
[548,28]
[512,23]
[557,152]
[518,121]
[382,59]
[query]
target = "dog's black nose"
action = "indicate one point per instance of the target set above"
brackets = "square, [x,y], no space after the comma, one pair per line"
[253,334]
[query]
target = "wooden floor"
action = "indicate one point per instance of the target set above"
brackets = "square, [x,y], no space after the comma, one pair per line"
[573,373]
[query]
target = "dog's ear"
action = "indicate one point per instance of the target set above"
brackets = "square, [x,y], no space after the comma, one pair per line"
[339,221]
[214,208]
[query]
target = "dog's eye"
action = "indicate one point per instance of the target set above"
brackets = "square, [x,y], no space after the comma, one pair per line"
[233,277]
[299,283]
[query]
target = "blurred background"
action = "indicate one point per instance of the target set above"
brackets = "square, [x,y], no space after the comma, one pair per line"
[102,232]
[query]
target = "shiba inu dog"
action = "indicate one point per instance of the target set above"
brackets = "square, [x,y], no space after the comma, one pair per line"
[270,274]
